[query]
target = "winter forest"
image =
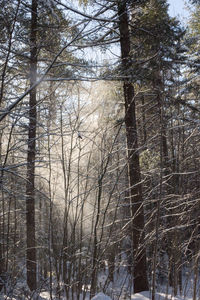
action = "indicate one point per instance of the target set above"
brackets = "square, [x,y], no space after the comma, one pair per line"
[99,150]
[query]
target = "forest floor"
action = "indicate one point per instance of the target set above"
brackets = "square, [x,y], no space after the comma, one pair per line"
[139,296]
[121,289]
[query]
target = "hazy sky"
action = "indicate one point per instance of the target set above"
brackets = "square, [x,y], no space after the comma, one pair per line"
[177,8]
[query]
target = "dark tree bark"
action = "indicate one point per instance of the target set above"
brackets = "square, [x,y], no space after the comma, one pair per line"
[135,188]
[31,262]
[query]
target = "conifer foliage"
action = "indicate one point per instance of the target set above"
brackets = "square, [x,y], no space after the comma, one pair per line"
[99,149]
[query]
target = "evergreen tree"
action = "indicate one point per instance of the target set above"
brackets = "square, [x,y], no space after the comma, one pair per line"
[135,188]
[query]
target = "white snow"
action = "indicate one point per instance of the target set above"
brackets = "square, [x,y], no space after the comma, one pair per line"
[159,296]
[101,296]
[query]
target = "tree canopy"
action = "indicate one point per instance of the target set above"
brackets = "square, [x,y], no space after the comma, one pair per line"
[99,149]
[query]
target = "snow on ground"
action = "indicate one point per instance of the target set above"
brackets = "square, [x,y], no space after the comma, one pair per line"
[101,296]
[139,296]
[159,296]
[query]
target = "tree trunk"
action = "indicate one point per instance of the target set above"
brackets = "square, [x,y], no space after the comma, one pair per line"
[31,263]
[135,188]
